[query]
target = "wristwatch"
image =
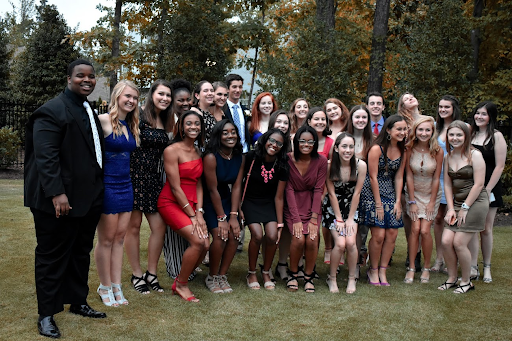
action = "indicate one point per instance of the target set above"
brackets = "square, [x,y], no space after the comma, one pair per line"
[200,209]
[222,218]
[464,206]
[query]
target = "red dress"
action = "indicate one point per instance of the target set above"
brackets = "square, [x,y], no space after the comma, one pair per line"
[327,147]
[172,212]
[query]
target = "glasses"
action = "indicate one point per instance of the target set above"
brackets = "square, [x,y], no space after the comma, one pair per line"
[273,141]
[309,142]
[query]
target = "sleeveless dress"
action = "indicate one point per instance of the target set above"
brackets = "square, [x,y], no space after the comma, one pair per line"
[462,182]
[146,168]
[255,137]
[441,179]
[227,172]
[344,192]
[386,180]
[327,147]
[172,212]
[304,192]
[423,167]
[116,168]
[490,164]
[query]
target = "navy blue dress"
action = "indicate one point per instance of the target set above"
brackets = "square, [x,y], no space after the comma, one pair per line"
[116,167]
[227,172]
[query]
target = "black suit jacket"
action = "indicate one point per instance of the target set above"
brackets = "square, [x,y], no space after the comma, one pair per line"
[60,156]
[227,113]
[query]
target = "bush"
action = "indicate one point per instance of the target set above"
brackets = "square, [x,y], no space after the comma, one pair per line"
[9,143]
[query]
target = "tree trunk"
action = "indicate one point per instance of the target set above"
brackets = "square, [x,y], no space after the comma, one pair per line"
[160,48]
[325,10]
[115,45]
[255,65]
[379,39]
[476,40]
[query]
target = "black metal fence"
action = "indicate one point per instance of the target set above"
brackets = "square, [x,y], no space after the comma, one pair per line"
[15,115]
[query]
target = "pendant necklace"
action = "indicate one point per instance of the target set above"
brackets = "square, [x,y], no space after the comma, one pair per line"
[226,156]
[267,174]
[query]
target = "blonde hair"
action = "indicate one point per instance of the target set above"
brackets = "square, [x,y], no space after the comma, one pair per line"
[132,118]
[432,143]
[466,146]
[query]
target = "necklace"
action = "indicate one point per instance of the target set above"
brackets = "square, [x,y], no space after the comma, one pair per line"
[226,156]
[267,174]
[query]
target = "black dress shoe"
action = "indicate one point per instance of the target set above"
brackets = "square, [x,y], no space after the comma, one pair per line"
[86,310]
[47,327]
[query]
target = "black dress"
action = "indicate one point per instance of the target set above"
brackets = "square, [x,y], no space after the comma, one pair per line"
[490,164]
[146,168]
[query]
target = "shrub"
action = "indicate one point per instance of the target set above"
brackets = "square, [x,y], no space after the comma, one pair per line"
[9,143]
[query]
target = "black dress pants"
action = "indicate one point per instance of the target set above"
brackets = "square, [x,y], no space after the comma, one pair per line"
[62,259]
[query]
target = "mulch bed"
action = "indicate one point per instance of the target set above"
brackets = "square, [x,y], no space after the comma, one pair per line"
[502,219]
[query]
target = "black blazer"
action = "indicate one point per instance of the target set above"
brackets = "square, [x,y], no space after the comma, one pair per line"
[60,156]
[227,113]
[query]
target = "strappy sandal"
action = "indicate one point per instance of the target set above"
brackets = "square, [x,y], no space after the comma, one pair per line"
[438,266]
[447,285]
[292,277]
[331,283]
[308,279]
[252,285]
[119,294]
[140,284]
[487,279]
[410,280]
[175,291]
[368,277]
[153,283]
[462,289]
[425,279]
[353,278]
[300,272]
[270,274]
[108,296]
[269,285]
[278,273]
[383,284]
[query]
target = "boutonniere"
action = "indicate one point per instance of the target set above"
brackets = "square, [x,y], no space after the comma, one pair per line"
[247,113]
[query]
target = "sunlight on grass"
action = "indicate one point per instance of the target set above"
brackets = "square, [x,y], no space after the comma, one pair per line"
[399,312]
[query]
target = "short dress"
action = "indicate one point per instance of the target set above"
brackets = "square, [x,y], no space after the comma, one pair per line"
[116,168]
[327,147]
[441,178]
[259,202]
[490,164]
[344,192]
[304,192]
[146,168]
[386,180]
[209,122]
[172,212]
[227,172]
[462,182]
[423,167]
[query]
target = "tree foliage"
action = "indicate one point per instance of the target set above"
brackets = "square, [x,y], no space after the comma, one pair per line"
[42,66]
[4,61]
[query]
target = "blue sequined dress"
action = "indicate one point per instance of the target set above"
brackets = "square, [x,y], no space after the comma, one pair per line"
[118,184]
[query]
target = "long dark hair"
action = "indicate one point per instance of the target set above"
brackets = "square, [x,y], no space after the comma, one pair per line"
[214,144]
[455,115]
[367,132]
[273,119]
[149,113]
[312,112]
[296,138]
[334,174]
[179,131]
[281,157]
[383,141]
[492,112]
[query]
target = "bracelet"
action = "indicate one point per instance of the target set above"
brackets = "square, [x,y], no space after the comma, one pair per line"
[187,205]
[338,221]
[235,213]
[316,224]
[411,202]
[192,216]
[280,225]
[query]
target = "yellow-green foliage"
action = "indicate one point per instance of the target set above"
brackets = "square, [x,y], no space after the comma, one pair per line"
[9,142]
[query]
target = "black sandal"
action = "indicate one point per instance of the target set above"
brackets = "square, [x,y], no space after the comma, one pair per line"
[278,274]
[140,284]
[447,285]
[309,279]
[462,289]
[292,276]
[152,283]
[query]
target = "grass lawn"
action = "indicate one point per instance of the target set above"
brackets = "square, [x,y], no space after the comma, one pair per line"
[399,312]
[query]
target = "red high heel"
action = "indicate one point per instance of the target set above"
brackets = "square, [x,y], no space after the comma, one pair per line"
[175,291]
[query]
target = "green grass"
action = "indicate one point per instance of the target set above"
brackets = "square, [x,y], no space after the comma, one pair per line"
[399,312]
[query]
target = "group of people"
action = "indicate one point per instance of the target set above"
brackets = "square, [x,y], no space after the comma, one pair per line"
[201,166]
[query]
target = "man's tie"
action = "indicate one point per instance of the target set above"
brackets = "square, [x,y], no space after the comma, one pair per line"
[96,137]
[376,129]
[236,120]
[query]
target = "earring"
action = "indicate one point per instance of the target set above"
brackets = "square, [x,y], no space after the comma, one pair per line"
[389,137]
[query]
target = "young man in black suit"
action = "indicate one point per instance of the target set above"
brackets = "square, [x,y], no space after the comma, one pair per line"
[64,190]
[235,111]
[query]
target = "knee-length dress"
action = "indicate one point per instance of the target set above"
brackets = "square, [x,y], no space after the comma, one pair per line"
[386,180]
[462,183]
[116,167]
[304,192]
[441,178]
[259,202]
[226,172]
[146,168]
[423,167]
[490,164]
[344,192]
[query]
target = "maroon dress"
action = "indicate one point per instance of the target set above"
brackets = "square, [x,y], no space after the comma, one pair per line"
[304,192]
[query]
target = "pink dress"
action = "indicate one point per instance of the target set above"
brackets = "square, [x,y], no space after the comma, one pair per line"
[304,192]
